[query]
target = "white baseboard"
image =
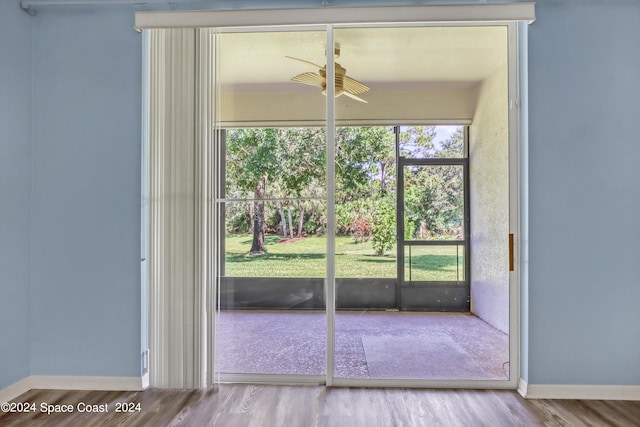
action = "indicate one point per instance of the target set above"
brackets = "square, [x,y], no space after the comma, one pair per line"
[522,387]
[578,392]
[50,382]
[15,390]
[145,381]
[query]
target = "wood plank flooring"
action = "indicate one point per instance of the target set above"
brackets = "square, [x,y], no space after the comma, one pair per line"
[309,406]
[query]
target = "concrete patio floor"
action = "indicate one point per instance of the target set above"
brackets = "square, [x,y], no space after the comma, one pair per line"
[368,344]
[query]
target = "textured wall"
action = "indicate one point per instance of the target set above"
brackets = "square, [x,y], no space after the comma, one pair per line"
[489,194]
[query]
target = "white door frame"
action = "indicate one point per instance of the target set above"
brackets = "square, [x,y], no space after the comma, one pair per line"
[450,15]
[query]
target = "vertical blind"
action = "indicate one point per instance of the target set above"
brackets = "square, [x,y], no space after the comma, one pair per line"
[180,139]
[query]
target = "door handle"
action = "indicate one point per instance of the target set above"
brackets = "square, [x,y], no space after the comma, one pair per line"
[511,255]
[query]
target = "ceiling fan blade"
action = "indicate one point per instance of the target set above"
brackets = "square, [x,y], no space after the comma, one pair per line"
[306,62]
[354,86]
[344,84]
[352,96]
[309,78]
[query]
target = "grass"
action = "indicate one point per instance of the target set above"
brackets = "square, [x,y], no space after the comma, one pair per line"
[306,258]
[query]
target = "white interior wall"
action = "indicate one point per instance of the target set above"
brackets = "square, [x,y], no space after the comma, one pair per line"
[489,199]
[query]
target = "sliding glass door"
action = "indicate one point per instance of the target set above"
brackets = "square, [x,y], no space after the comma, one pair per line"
[348,212]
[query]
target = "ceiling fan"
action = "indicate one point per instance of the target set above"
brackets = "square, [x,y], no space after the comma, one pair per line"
[345,85]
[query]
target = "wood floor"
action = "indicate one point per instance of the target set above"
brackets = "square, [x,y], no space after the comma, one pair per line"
[291,406]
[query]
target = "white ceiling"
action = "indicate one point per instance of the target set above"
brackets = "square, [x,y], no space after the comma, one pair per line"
[382,58]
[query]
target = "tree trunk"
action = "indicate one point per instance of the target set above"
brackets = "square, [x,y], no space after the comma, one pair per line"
[257,246]
[301,221]
[383,177]
[290,223]
[283,219]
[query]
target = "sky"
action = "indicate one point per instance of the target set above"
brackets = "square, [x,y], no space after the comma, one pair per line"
[444,132]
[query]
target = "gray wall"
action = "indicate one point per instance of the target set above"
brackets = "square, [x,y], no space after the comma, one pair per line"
[489,200]
[85,272]
[584,105]
[582,290]
[15,191]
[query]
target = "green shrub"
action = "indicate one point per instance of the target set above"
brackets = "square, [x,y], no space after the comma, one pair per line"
[384,226]
[409,228]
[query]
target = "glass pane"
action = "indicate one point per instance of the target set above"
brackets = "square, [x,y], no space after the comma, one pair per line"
[434,202]
[365,202]
[382,331]
[366,251]
[434,263]
[430,142]
[271,309]
[289,245]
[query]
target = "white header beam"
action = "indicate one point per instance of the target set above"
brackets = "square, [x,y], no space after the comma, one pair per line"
[337,15]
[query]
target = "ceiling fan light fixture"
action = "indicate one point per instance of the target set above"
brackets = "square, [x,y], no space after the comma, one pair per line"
[344,85]
[336,94]
[339,86]
[336,52]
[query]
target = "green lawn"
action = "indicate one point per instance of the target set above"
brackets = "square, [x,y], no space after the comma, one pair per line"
[306,258]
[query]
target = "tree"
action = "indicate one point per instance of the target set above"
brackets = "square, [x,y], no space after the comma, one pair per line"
[453,146]
[281,163]
[289,163]
[361,154]
[384,226]
[252,157]
[417,142]
[302,166]
[453,212]
[435,194]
